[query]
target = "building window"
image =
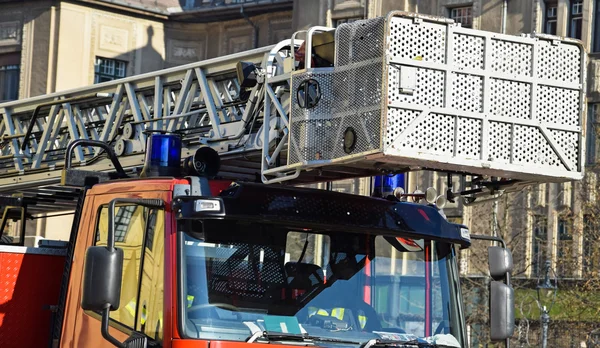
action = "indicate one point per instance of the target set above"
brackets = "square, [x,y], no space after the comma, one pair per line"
[596,21]
[565,260]
[540,238]
[9,82]
[108,69]
[550,17]
[575,18]
[590,146]
[591,249]
[462,15]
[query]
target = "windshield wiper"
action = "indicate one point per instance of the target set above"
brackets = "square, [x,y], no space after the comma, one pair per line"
[377,342]
[271,336]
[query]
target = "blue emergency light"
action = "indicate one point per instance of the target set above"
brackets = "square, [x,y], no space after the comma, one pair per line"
[163,156]
[385,184]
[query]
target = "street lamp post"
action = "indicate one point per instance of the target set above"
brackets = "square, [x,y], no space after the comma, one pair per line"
[546,291]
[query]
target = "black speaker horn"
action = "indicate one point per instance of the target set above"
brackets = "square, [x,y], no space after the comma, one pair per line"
[205,162]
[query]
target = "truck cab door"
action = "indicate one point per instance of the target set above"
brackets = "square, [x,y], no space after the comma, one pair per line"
[140,233]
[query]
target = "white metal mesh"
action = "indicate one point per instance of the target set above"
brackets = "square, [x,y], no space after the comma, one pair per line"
[511,99]
[558,105]
[511,57]
[468,146]
[435,134]
[530,148]
[351,98]
[398,120]
[429,92]
[497,84]
[558,62]
[454,105]
[467,93]
[468,51]
[425,40]
[569,144]
[500,139]
[359,41]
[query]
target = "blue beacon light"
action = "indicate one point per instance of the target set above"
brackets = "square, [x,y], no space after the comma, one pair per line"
[385,184]
[163,156]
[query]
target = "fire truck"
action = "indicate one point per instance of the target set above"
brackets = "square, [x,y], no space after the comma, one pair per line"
[193,224]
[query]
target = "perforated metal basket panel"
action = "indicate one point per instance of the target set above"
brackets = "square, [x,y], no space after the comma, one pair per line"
[426,92]
[351,98]
[484,103]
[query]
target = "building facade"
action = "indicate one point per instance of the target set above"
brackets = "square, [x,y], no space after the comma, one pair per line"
[51,46]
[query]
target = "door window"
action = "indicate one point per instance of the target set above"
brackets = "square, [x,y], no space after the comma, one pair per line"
[139,232]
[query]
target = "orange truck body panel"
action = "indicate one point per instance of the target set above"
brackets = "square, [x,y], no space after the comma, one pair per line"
[29,283]
[79,328]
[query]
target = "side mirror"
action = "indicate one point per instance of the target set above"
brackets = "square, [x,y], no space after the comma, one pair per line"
[102,279]
[502,299]
[103,273]
[502,314]
[500,262]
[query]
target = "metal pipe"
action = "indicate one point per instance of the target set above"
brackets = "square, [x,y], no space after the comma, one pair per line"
[545,319]
[504,14]
[254,26]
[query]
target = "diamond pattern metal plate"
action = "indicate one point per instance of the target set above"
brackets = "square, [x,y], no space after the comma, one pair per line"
[28,283]
[351,98]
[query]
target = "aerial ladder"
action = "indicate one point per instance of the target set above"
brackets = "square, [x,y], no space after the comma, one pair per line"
[374,97]
[419,93]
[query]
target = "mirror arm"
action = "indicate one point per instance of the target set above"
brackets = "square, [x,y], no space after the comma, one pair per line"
[150,203]
[484,237]
[104,329]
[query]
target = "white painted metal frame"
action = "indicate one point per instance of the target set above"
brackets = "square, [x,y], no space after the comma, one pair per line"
[396,150]
[200,100]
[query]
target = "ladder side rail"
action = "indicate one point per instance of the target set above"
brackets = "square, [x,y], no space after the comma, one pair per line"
[14,144]
[209,102]
[218,98]
[279,119]
[135,110]
[186,84]
[211,66]
[158,102]
[123,101]
[81,126]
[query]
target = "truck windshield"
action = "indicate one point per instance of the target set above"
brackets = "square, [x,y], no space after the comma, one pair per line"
[240,279]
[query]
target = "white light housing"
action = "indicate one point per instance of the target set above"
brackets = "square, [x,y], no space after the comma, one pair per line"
[207,205]
[440,201]
[399,192]
[430,195]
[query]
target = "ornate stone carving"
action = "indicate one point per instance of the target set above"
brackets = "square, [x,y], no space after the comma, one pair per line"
[10,33]
[113,39]
[179,51]
[345,4]
[237,39]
